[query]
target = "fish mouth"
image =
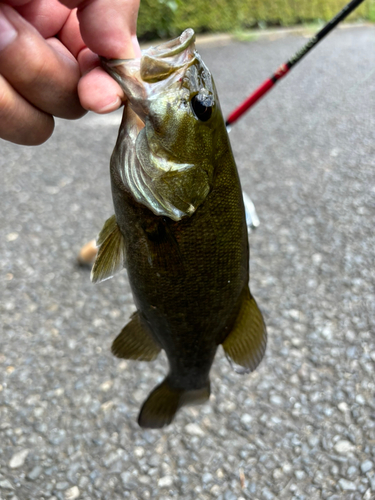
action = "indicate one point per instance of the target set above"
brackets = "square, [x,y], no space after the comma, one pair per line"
[173,47]
[156,63]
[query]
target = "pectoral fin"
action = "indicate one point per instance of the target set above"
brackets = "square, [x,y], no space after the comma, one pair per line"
[135,341]
[163,249]
[246,343]
[111,253]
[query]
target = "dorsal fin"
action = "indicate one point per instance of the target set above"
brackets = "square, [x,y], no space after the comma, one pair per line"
[111,253]
[246,343]
[135,341]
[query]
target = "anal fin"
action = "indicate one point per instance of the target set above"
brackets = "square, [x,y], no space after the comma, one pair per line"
[135,342]
[111,253]
[246,343]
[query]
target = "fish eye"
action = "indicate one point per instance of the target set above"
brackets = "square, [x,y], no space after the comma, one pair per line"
[202,107]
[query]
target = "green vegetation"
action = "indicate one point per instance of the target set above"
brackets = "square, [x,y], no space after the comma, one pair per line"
[166,18]
[245,36]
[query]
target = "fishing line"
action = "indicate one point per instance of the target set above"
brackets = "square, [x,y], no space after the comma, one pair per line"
[364,80]
[286,67]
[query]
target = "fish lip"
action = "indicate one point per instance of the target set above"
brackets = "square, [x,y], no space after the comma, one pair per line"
[162,51]
[175,46]
[110,63]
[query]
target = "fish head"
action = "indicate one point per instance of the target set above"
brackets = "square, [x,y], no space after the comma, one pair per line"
[172,92]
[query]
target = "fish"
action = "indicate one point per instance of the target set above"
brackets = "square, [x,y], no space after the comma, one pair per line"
[179,228]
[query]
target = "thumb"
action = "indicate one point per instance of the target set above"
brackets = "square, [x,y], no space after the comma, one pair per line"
[108,27]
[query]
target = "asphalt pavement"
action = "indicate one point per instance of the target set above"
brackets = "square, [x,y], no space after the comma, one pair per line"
[303,425]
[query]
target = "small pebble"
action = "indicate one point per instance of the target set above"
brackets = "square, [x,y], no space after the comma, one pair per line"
[194,430]
[207,477]
[347,485]
[139,451]
[344,446]
[12,236]
[72,493]
[6,485]
[366,466]
[276,400]
[129,481]
[18,459]
[277,474]
[335,470]
[215,490]
[83,482]
[35,473]
[352,471]
[287,468]
[62,485]
[105,386]
[267,494]
[246,419]
[317,258]
[360,399]
[229,495]
[343,407]
[313,440]
[165,482]
[300,474]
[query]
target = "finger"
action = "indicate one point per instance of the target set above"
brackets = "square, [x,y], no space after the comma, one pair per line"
[20,122]
[45,75]
[70,34]
[47,16]
[99,92]
[16,3]
[107,26]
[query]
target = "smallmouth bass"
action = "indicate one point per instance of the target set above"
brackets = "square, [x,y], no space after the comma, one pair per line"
[179,228]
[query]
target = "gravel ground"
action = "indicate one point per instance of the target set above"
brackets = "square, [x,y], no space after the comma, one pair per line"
[303,425]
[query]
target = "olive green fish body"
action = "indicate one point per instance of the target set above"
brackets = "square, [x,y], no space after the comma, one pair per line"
[187,276]
[179,228]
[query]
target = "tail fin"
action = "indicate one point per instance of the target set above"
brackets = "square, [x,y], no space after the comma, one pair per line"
[164,401]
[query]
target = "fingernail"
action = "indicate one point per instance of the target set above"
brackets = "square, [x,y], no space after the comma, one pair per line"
[136,47]
[7,32]
[112,106]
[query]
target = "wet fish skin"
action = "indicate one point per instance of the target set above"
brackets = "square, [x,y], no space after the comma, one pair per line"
[179,228]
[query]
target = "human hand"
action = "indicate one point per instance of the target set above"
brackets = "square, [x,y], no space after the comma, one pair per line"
[43,54]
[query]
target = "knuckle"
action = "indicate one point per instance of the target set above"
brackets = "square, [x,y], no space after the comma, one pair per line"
[20,122]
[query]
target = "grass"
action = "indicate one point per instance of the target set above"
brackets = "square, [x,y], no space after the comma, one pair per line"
[245,35]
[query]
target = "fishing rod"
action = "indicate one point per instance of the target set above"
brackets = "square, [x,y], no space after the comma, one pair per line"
[286,67]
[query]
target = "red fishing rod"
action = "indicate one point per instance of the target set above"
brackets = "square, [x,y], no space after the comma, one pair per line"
[286,67]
